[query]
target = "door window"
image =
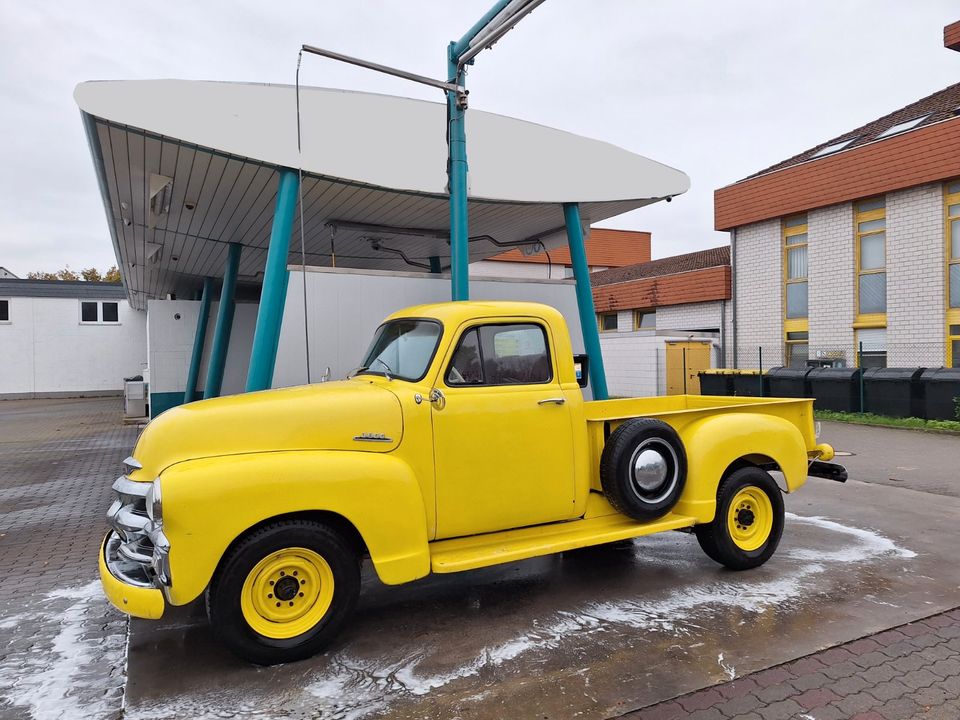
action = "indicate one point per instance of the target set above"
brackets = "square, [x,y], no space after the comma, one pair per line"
[514,354]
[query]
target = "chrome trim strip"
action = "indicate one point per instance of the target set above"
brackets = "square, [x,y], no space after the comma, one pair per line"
[132,462]
[370,437]
[125,486]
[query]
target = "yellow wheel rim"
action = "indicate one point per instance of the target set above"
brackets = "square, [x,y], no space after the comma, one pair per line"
[287,593]
[750,518]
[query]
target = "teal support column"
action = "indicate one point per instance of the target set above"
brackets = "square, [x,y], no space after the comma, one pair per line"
[457,174]
[221,332]
[190,394]
[588,316]
[273,296]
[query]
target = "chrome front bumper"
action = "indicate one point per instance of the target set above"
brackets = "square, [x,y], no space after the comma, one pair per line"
[136,552]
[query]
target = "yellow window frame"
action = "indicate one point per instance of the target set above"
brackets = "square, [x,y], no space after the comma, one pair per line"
[638,314]
[788,231]
[601,315]
[868,320]
[952,314]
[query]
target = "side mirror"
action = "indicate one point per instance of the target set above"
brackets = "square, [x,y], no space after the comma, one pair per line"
[581,364]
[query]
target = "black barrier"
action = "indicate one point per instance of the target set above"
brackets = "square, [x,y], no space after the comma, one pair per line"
[941,388]
[716,382]
[789,382]
[896,392]
[835,389]
[750,383]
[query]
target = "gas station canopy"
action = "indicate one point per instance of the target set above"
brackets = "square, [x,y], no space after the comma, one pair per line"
[187,168]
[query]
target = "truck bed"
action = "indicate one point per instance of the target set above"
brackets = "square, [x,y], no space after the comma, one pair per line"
[661,407]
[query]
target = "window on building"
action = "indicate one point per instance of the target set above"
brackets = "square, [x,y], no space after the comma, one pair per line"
[871,239]
[93,312]
[902,127]
[607,322]
[4,311]
[953,272]
[833,147]
[872,347]
[644,319]
[795,296]
[109,312]
[797,349]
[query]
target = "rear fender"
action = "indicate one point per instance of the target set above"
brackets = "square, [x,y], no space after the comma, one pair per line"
[715,443]
[209,503]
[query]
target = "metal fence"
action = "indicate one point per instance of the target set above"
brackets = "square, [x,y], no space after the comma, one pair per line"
[865,355]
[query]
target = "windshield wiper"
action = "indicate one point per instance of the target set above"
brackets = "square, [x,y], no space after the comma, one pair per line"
[388,371]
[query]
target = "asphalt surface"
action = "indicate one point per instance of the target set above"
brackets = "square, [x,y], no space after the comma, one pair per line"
[651,627]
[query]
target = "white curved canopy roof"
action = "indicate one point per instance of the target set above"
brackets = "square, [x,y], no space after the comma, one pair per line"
[367,158]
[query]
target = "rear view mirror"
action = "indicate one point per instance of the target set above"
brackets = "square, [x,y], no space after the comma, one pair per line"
[581,364]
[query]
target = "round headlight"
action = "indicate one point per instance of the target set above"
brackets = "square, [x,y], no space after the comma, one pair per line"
[154,506]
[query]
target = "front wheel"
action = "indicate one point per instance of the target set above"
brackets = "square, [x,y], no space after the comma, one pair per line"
[284,592]
[748,524]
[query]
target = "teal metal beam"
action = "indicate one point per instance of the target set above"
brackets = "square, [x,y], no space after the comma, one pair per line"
[221,332]
[457,174]
[588,316]
[190,394]
[461,46]
[273,296]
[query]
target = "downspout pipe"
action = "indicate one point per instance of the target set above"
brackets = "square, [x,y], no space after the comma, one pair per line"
[221,333]
[588,316]
[193,374]
[273,295]
[733,294]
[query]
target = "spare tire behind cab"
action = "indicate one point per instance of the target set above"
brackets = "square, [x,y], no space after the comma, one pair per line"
[643,468]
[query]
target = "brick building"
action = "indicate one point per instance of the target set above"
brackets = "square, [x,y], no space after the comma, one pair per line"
[663,321]
[853,243]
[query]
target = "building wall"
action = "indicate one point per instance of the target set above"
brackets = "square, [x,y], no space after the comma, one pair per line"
[346,306]
[531,270]
[170,340]
[633,362]
[915,277]
[759,295]
[692,316]
[46,351]
[915,267]
[832,279]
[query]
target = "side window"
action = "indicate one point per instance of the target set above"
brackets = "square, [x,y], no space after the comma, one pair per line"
[88,312]
[111,312]
[4,311]
[514,354]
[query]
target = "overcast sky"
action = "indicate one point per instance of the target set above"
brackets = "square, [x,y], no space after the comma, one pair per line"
[716,89]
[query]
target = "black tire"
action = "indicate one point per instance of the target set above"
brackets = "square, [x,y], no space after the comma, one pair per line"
[716,537]
[643,496]
[225,610]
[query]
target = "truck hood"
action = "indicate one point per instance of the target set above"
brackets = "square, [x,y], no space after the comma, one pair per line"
[357,414]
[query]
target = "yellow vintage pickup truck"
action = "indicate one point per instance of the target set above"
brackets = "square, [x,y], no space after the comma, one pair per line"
[463,441]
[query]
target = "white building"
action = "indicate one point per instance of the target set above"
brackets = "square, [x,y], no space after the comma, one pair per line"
[68,338]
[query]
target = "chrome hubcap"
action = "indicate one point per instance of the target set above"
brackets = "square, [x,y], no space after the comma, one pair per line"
[653,470]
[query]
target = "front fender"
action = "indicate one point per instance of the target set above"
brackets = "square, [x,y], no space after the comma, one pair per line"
[208,503]
[716,442]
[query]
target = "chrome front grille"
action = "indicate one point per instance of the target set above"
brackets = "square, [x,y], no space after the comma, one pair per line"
[136,551]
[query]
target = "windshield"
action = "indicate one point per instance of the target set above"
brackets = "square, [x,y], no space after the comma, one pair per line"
[402,349]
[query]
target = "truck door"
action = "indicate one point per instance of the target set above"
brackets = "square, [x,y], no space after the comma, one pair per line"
[503,439]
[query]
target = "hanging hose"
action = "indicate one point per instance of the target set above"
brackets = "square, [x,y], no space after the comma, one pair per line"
[303,248]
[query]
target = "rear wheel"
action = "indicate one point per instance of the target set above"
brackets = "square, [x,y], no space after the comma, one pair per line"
[284,592]
[748,524]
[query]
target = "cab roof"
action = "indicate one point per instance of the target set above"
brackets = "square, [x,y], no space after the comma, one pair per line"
[456,313]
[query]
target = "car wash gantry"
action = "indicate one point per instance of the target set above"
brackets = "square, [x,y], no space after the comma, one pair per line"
[188,172]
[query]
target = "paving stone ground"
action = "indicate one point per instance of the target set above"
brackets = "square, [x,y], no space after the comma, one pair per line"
[912,671]
[62,649]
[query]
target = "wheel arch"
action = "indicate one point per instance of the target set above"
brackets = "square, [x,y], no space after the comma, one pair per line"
[720,444]
[373,499]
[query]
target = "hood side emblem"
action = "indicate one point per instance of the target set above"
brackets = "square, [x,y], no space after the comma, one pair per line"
[372,437]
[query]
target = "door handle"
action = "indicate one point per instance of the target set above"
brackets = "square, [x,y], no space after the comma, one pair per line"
[555,401]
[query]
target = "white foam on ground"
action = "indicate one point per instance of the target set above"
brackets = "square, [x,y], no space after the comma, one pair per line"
[65,679]
[354,689]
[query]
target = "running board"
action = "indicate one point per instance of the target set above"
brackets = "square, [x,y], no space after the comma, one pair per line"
[477,551]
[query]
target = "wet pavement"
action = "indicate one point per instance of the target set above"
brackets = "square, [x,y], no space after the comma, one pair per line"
[594,634]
